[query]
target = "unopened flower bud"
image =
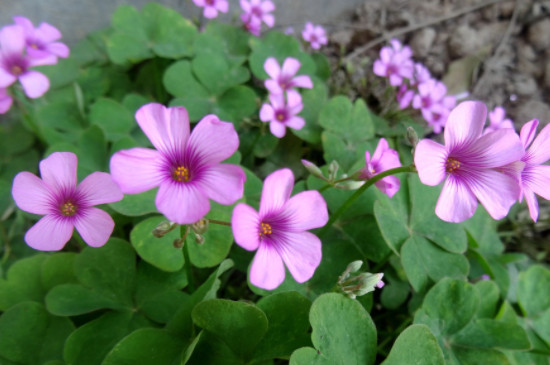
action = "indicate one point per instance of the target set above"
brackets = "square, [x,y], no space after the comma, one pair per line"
[333,170]
[313,169]
[163,228]
[200,227]
[199,238]
[179,242]
[412,137]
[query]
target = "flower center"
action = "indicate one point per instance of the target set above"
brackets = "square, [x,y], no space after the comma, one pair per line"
[209,2]
[181,174]
[16,70]
[266,229]
[68,209]
[257,11]
[280,116]
[34,46]
[452,165]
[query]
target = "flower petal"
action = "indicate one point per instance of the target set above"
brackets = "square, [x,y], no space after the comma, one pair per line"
[496,191]
[99,188]
[271,66]
[296,123]
[532,204]
[305,210]
[12,40]
[210,12]
[273,87]
[212,140]
[222,5]
[166,128]
[269,20]
[496,148]
[34,83]
[290,67]
[539,152]
[58,49]
[301,253]
[302,81]
[5,103]
[30,193]
[182,203]
[137,170]
[223,183]
[465,124]
[95,226]
[379,68]
[537,179]
[389,185]
[267,113]
[6,78]
[50,233]
[245,224]
[278,129]
[276,191]
[456,202]
[267,6]
[267,270]
[58,171]
[381,148]
[47,33]
[528,131]
[430,158]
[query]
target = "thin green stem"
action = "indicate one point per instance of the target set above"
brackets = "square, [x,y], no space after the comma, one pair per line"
[219,222]
[332,184]
[360,191]
[188,268]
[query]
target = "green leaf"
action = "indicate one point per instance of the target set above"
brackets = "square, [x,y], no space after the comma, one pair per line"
[416,345]
[233,40]
[240,325]
[237,103]
[313,101]
[217,74]
[113,118]
[135,205]
[145,346]
[30,335]
[23,282]
[287,315]
[342,151]
[58,269]
[74,299]
[343,333]
[489,333]
[91,342]
[179,81]
[159,252]
[92,150]
[208,349]
[124,48]
[349,121]
[533,287]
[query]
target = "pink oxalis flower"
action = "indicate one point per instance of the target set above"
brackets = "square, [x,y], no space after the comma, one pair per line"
[283,79]
[315,35]
[64,204]
[5,101]
[14,65]
[279,231]
[535,177]
[498,120]
[394,63]
[472,165]
[251,24]
[384,158]
[211,7]
[434,103]
[406,92]
[257,11]
[42,42]
[281,114]
[186,167]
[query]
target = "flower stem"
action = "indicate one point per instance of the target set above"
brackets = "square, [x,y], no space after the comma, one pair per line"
[360,191]
[188,268]
[219,222]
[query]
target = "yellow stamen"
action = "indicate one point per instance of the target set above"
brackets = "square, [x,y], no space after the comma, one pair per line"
[266,229]
[68,209]
[16,70]
[180,173]
[34,46]
[280,117]
[452,165]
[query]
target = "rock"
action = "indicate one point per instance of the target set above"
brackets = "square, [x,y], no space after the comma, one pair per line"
[422,41]
[527,60]
[464,41]
[507,8]
[342,38]
[524,85]
[533,109]
[547,74]
[538,34]
[491,33]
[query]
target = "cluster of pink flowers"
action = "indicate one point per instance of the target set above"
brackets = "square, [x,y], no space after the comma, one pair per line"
[286,102]
[498,120]
[255,13]
[416,85]
[22,46]
[315,35]
[212,7]
[496,168]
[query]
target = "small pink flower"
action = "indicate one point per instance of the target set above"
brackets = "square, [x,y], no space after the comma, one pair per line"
[64,204]
[471,165]
[497,120]
[211,7]
[535,177]
[284,79]
[15,66]
[394,63]
[279,231]
[42,42]
[258,10]
[436,116]
[186,167]
[5,101]
[434,103]
[384,158]
[281,114]
[315,35]
[251,24]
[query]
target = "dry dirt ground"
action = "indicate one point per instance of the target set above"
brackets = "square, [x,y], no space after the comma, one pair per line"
[497,50]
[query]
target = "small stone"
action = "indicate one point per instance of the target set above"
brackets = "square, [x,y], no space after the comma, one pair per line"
[533,109]
[538,34]
[422,41]
[342,38]
[464,41]
[547,74]
[525,85]
[527,60]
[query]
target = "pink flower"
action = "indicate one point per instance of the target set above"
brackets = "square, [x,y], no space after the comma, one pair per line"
[535,177]
[259,11]
[315,35]
[281,114]
[64,204]
[251,24]
[394,63]
[41,41]
[405,94]
[497,120]
[14,65]
[211,7]
[185,167]
[384,158]
[470,165]
[5,101]
[284,79]
[436,116]
[434,103]
[279,231]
